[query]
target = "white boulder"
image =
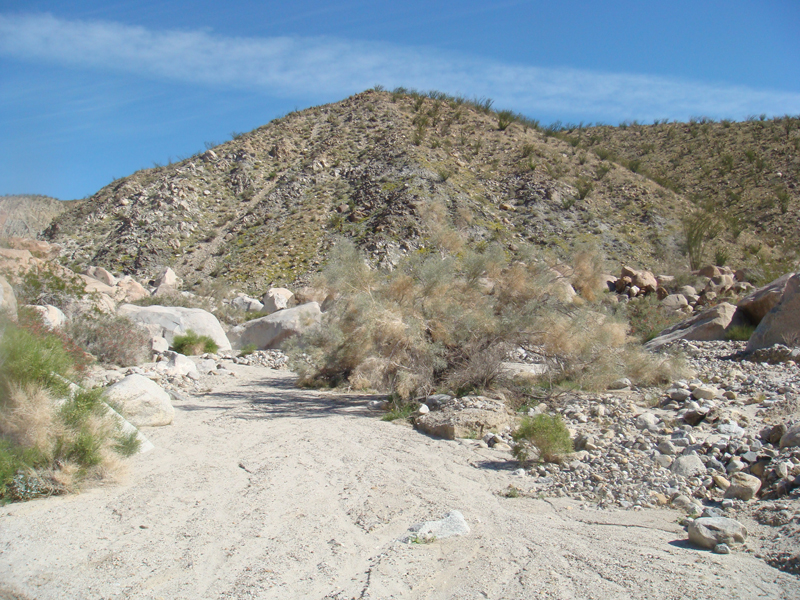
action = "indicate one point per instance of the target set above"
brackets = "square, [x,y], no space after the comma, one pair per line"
[271,331]
[177,320]
[142,401]
[52,316]
[277,299]
[8,301]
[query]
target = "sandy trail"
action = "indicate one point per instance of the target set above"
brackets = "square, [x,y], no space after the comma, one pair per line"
[260,490]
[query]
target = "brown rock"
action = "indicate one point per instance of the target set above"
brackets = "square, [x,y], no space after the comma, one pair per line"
[757,304]
[709,271]
[644,280]
[453,422]
[743,486]
[781,325]
[709,324]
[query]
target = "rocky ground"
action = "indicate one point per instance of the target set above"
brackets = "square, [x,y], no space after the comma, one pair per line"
[260,490]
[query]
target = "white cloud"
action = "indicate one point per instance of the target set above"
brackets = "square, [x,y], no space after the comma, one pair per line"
[333,68]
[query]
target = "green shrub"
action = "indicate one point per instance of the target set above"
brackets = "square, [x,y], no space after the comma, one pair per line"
[648,317]
[48,447]
[34,355]
[192,344]
[248,349]
[504,119]
[547,434]
[739,333]
[400,410]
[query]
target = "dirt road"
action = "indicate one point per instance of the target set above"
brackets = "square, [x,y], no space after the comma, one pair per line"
[260,490]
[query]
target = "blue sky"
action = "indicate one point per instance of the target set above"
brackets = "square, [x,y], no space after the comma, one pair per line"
[91,91]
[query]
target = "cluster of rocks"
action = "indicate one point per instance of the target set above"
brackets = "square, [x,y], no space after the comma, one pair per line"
[720,282]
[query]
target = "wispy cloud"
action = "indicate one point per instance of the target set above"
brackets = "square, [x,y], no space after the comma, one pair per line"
[315,67]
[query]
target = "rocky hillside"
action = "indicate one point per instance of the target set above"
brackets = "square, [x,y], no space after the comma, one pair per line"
[747,175]
[393,171]
[28,215]
[388,170]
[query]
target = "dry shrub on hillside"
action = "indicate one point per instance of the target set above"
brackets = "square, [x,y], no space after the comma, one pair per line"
[446,322]
[110,339]
[587,273]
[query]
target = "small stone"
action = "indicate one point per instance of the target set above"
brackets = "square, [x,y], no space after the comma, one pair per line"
[688,465]
[423,409]
[620,384]
[679,394]
[664,461]
[721,482]
[721,549]
[705,392]
[646,421]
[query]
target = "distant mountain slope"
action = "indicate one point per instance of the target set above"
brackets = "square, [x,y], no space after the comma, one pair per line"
[393,171]
[27,215]
[746,173]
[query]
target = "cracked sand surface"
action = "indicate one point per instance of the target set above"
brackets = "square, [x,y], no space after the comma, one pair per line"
[261,490]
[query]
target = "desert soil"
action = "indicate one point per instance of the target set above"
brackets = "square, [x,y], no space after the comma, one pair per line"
[261,490]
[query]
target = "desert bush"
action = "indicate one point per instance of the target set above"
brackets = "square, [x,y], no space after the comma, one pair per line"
[546,434]
[53,435]
[47,286]
[587,273]
[647,317]
[446,322]
[247,350]
[110,339]
[32,354]
[192,344]
[699,228]
[504,119]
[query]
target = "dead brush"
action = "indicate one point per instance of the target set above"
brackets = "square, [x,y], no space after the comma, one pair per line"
[446,322]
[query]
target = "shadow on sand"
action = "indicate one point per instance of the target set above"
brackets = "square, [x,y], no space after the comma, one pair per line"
[278,397]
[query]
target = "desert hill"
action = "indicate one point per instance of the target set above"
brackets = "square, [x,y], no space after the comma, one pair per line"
[28,215]
[393,171]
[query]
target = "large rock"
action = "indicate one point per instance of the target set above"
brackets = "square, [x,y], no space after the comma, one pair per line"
[52,316]
[277,299]
[675,301]
[755,306]
[791,439]
[271,331]
[247,304]
[167,277]
[688,465]
[465,417]
[142,401]
[709,324]
[8,301]
[101,275]
[95,285]
[707,532]
[781,325]
[132,289]
[177,320]
[743,486]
